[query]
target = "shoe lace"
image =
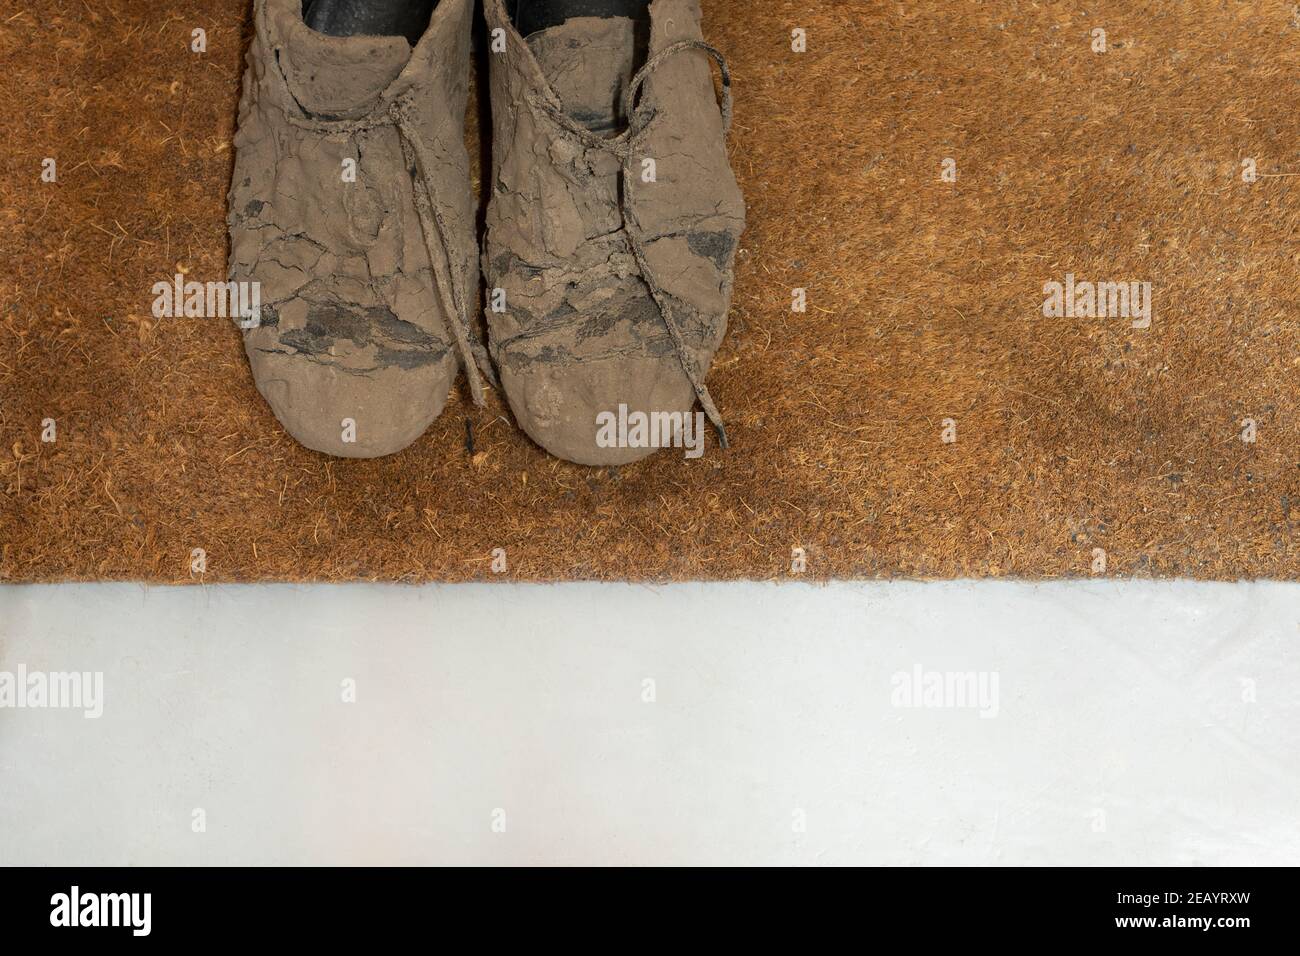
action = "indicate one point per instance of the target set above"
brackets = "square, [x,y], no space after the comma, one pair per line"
[624,147]
[450,279]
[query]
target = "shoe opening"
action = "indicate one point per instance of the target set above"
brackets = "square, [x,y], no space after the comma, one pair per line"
[369,18]
[530,16]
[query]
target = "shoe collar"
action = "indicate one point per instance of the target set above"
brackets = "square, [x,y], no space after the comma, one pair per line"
[670,22]
[299,51]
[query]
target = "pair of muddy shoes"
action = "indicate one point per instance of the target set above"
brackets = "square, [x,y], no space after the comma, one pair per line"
[611,229]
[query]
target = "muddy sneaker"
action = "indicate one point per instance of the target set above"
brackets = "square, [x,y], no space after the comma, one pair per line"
[351,206]
[613,223]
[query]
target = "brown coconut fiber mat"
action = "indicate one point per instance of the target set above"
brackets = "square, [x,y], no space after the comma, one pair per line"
[1078,443]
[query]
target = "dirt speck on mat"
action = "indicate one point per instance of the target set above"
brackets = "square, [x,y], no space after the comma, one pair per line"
[1074,436]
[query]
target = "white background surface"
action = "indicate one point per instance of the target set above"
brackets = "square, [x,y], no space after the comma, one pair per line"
[1122,733]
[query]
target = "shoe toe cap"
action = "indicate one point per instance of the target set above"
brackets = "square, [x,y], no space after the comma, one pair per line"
[351,414]
[561,407]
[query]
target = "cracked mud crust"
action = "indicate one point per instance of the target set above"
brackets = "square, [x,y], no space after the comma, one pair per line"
[354,309]
[582,332]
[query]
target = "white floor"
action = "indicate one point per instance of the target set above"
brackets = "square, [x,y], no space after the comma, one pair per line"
[1110,723]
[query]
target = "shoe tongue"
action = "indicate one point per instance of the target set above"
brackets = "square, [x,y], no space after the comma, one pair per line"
[588,61]
[339,76]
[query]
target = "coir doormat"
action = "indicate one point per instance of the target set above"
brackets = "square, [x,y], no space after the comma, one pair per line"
[1019,295]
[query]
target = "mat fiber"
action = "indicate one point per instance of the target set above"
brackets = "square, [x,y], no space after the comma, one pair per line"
[1074,436]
